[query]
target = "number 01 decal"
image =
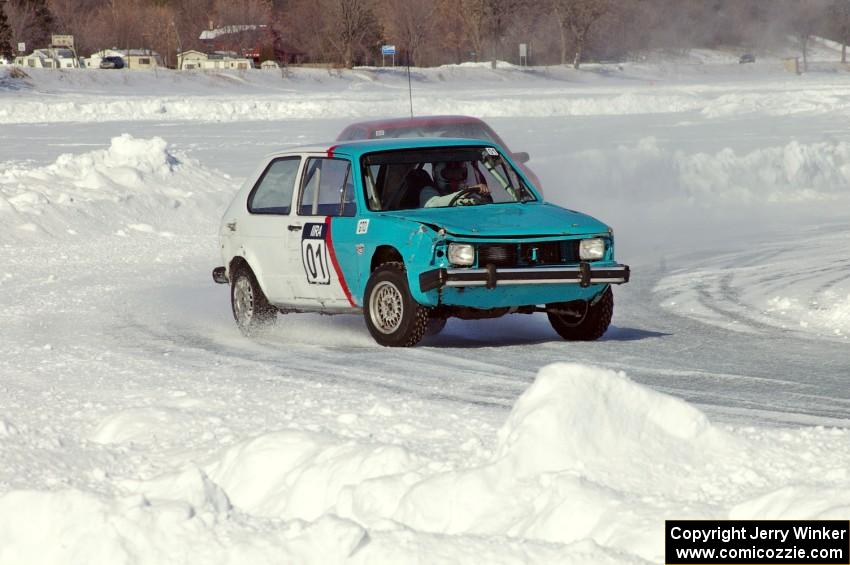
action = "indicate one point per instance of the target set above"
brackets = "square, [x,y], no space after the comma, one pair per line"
[314,254]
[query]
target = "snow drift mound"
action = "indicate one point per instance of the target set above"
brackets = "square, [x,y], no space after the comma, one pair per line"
[13,78]
[652,173]
[588,465]
[132,182]
[575,414]
[300,474]
[583,454]
[72,526]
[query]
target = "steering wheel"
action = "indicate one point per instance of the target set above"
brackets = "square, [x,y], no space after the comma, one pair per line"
[470,192]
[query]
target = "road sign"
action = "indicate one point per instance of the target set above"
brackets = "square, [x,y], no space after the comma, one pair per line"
[387,50]
[62,41]
[523,54]
[22,47]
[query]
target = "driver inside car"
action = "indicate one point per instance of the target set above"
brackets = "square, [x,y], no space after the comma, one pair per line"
[450,179]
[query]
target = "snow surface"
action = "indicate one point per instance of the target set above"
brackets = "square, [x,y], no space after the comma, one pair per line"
[138,426]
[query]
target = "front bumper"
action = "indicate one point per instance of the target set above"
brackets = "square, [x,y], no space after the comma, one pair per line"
[583,275]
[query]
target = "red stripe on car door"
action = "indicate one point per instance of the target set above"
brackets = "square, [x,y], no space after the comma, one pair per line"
[335,263]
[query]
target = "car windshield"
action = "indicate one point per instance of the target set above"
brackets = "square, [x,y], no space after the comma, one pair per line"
[439,178]
[468,130]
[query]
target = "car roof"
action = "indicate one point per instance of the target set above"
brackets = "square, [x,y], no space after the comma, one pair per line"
[356,149]
[390,123]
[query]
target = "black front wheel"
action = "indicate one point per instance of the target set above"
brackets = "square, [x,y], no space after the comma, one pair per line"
[393,317]
[582,320]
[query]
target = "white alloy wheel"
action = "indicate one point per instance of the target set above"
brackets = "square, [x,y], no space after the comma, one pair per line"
[386,307]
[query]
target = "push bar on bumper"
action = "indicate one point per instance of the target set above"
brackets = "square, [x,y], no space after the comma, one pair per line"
[489,277]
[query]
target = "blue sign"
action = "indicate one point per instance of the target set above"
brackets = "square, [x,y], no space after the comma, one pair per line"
[388,50]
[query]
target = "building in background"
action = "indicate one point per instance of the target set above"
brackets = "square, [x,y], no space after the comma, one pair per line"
[198,60]
[133,58]
[247,40]
[252,41]
[49,58]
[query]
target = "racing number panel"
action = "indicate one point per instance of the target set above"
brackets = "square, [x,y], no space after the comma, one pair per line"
[314,253]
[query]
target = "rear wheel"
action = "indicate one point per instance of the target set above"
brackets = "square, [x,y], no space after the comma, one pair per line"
[393,317]
[583,321]
[251,309]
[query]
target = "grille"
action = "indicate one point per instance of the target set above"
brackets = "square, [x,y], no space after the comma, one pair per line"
[571,251]
[504,255]
[541,253]
[528,254]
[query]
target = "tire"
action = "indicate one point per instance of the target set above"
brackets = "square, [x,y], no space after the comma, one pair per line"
[393,317]
[435,326]
[250,307]
[589,327]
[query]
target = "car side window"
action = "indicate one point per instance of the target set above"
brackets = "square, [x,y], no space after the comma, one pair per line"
[327,188]
[273,192]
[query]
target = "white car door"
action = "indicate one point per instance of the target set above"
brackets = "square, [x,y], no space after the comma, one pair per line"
[265,228]
[326,192]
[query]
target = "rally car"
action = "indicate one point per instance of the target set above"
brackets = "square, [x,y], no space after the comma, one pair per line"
[410,232]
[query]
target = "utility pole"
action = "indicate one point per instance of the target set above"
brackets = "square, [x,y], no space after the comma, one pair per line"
[179,45]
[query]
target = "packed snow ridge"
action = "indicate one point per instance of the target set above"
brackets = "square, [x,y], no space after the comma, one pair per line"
[91,96]
[110,190]
[587,459]
[728,179]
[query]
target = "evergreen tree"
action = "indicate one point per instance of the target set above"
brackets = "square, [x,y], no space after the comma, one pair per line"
[5,35]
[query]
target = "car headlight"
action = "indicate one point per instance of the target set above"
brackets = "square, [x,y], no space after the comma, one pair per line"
[461,254]
[591,249]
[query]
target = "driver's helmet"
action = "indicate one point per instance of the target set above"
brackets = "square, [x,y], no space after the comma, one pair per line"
[450,176]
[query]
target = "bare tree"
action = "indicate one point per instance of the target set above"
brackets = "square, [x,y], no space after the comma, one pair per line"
[21,17]
[351,24]
[408,23]
[839,15]
[801,18]
[577,17]
[473,14]
[501,15]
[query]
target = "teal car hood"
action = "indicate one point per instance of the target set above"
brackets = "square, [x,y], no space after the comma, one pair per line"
[506,220]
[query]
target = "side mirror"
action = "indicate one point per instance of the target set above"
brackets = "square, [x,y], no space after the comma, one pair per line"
[521,157]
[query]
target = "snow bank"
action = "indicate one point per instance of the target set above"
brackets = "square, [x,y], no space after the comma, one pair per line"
[76,527]
[469,88]
[112,190]
[587,467]
[575,415]
[652,173]
[577,450]
[318,105]
[300,474]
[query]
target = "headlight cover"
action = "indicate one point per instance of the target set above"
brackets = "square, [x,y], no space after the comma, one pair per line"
[591,249]
[461,254]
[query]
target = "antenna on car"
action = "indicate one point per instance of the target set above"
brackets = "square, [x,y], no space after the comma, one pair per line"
[409,87]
